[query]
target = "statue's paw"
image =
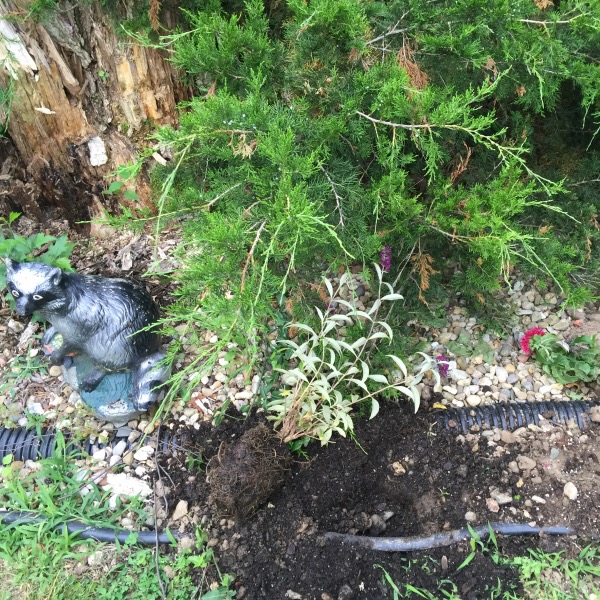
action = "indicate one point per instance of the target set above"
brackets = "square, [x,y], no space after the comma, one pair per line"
[91,381]
[56,358]
[48,335]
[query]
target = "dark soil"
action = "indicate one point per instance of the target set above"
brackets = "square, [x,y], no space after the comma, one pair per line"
[400,477]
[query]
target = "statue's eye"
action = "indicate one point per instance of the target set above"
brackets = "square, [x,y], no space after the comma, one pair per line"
[37,297]
[15,293]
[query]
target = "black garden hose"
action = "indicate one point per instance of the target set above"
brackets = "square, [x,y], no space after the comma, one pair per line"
[445,538]
[512,415]
[88,532]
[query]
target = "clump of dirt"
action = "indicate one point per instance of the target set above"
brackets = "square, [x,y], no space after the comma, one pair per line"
[243,475]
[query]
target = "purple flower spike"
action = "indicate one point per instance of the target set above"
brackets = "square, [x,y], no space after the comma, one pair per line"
[385,259]
[442,365]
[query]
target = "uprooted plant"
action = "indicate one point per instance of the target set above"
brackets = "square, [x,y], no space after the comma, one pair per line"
[332,377]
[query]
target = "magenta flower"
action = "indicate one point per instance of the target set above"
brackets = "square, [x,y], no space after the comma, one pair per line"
[385,259]
[527,338]
[442,365]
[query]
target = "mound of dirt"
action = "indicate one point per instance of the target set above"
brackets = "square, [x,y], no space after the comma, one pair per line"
[243,475]
[400,477]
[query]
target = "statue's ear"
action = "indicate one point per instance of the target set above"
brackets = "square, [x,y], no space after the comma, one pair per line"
[10,265]
[55,276]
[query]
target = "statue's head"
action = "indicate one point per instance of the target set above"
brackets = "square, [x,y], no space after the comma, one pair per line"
[35,287]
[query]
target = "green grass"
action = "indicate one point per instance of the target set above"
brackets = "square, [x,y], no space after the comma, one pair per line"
[43,561]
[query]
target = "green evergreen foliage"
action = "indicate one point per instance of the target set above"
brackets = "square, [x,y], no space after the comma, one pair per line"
[460,134]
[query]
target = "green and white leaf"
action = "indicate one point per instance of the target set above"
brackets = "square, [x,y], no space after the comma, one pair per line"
[379,378]
[374,408]
[392,296]
[387,328]
[399,364]
[375,307]
[365,370]
[359,343]
[359,383]
[378,335]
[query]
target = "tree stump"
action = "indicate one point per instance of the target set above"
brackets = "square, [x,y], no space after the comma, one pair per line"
[80,95]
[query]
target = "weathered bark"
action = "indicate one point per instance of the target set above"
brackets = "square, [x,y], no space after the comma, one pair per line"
[77,84]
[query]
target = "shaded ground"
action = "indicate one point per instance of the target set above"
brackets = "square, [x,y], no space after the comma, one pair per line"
[400,478]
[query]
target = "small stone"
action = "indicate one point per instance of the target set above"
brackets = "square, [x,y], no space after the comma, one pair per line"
[35,408]
[538,500]
[507,437]
[500,497]
[525,463]
[378,525]
[570,491]
[293,595]
[492,505]
[15,326]
[457,374]
[473,400]
[398,468]
[562,325]
[99,455]
[55,371]
[119,448]
[501,374]
[144,453]
[180,510]
[134,436]
[470,516]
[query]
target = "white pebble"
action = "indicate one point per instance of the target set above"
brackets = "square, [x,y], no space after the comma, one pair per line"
[144,453]
[99,455]
[473,400]
[570,491]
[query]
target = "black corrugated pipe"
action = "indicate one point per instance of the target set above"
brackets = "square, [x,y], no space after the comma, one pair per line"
[512,415]
[88,532]
[27,444]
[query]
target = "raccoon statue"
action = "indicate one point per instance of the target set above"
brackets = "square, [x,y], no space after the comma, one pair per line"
[99,317]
